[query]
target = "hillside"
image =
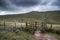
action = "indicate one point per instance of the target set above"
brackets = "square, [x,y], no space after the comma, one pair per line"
[52,17]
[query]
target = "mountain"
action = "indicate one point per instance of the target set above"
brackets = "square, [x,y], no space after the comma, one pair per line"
[50,16]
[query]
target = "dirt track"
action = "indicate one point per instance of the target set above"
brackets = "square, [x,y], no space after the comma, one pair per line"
[40,36]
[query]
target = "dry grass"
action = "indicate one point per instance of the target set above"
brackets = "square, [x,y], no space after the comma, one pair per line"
[54,26]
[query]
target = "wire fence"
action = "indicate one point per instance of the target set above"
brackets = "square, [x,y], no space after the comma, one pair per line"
[32,26]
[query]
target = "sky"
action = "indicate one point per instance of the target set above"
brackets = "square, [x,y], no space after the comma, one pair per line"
[25,6]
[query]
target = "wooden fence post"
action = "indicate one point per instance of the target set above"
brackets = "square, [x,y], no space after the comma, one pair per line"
[15,24]
[4,24]
[51,28]
[26,24]
[42,27]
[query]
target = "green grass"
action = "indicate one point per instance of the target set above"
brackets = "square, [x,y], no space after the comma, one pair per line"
[16,36]
[22,36]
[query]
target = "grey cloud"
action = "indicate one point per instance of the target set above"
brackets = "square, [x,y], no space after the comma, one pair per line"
[3,4]
[50,2]
[24,3]
[8,4]
[57,3]
[28,5]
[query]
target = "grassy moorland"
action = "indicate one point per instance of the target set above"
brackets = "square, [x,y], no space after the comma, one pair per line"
[52,17]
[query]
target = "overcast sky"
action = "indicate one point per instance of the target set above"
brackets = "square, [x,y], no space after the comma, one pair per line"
[24,6]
